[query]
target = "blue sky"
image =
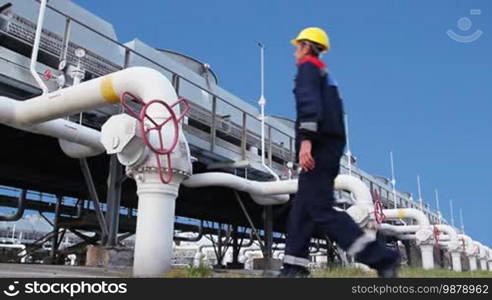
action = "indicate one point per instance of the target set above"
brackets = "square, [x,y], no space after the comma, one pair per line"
[407,86]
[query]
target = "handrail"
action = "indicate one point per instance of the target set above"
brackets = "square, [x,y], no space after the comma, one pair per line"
[130,50]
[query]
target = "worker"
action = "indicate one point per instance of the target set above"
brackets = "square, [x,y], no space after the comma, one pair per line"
[320,141]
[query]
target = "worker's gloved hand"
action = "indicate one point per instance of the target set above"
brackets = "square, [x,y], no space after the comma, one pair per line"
[306,160]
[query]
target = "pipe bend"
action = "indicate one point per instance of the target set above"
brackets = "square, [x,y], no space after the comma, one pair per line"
[453,235]
[143,82]
[357,187]
[21,207]
[75,150]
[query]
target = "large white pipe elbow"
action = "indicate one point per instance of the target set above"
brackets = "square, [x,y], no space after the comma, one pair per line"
[75,150]
[453,245]
[145,83]
[358,188]
[450,232]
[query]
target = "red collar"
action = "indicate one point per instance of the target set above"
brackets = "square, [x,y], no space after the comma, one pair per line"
[318,63]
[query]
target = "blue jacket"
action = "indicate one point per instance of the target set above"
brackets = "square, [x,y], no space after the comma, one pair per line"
[318,103]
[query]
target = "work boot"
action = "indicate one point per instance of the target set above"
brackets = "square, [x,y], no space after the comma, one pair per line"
[293,271]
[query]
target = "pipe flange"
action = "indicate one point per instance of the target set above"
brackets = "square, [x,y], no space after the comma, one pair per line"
[140,171]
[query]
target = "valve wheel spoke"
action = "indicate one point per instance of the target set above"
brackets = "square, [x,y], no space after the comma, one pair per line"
[146,131]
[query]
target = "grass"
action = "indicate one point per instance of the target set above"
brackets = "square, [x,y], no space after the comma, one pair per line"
[201,271]
[407,272]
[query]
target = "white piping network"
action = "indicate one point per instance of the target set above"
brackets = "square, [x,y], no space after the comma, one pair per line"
[153,245]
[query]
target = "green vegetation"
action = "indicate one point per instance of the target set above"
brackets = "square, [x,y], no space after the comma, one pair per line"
[201,271]
[410,272]
[404,272]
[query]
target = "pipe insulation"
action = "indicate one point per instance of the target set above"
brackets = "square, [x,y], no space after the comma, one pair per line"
[275,188]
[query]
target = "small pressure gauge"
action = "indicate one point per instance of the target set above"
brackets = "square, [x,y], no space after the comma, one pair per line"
[80,52]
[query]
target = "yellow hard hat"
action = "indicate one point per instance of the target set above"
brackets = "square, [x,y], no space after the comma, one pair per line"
[313,34]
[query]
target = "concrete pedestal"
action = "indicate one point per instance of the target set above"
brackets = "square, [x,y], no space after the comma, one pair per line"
[267,264]
[427,256]
[100,256]
[483,264]
[473,263]
[456,261]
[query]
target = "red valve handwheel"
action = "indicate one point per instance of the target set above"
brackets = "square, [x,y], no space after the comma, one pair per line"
[158,127]
[144,119]
[378,208]
[437,233]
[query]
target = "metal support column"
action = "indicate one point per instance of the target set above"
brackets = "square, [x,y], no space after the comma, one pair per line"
[270,146]
[235,246]
[95,199]
[54,239]
[268,232]
[243,137]
[115,178]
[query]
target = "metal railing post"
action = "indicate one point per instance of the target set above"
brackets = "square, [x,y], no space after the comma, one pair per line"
[213,133]
[270,146]
[243,137]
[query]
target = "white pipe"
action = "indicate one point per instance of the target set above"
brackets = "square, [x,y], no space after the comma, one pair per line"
[423,236]
[262,103]
[393,180]
[35,49]
[75,150]
[14,246]
[143,82]
[348,153]
[84,138]
[453,245]
[243,252]
[398,229]
[421,201]
[155,226]
[40,114]
[451,232]
[411,213]
[269,188]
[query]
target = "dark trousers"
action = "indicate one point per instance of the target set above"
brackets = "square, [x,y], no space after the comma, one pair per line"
[313,209]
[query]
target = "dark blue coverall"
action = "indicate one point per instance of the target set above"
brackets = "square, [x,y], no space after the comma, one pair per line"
[320,119]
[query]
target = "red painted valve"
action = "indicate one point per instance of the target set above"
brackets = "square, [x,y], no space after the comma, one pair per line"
[436,233]
[148,125]
[378,208]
